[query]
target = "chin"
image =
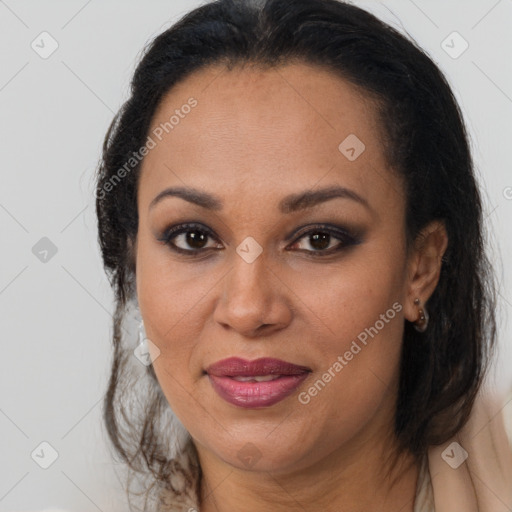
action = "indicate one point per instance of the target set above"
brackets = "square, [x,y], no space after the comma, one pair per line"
[262,452]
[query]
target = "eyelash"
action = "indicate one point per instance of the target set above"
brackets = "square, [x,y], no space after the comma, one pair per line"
[346,238]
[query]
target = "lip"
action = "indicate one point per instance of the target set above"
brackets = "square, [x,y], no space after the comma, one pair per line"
[252,394]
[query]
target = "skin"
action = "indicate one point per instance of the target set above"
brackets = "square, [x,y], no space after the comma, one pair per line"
[255,137]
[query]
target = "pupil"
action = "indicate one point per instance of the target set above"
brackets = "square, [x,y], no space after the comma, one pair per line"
[195,240]
[320,240]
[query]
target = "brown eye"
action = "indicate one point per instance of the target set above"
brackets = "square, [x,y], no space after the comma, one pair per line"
[324,241]
[195,239]
[190,239]
[320,240]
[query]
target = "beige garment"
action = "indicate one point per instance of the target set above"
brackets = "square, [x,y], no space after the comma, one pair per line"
[482,482]
[424,501]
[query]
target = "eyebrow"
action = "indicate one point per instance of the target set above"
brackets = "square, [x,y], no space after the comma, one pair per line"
[290,204]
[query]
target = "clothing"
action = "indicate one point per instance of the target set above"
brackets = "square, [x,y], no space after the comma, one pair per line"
[424,501]
[483,482]
[480,483]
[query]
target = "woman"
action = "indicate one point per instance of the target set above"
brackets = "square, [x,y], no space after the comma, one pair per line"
[287,201]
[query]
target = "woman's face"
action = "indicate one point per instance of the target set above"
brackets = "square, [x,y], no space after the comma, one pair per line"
[295,251]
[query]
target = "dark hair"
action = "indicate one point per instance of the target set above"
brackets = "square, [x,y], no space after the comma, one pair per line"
[426,144]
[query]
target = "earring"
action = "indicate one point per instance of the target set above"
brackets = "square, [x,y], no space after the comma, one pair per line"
[421,322]
[143,341]
[141,351]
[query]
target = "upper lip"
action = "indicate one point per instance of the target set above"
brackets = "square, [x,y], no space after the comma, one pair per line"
[236,366]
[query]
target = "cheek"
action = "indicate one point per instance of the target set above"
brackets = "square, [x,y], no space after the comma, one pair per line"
[360,312]
[168,291]
[175,301]
[347,298]
[360,346]
[360,357]
[166,301]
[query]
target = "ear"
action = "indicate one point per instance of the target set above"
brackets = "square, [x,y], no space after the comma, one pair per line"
[424,267]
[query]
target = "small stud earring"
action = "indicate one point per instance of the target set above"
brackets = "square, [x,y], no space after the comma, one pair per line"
[421,322]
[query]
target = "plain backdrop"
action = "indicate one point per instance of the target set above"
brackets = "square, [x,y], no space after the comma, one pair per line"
[56,314]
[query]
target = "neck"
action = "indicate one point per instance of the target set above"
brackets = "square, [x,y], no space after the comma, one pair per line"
[349,479]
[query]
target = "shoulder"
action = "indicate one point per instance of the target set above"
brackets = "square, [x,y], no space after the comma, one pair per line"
[473,470]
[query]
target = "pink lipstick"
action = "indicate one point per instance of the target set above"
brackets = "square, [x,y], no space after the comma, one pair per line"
[259,383]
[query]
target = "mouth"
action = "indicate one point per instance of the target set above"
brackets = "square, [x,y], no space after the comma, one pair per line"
[259,383]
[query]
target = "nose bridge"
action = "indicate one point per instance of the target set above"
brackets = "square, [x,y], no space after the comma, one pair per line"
[250,295]
[247,285]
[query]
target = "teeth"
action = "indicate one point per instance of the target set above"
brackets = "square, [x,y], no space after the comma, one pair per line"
[257,378]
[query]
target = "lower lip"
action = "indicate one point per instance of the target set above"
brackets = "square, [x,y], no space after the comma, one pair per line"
[256,394]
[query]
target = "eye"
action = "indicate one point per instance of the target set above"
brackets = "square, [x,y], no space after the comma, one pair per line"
[188,239]
[192,239]
[326,240]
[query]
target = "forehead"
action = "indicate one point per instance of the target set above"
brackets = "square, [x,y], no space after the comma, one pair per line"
[265,129]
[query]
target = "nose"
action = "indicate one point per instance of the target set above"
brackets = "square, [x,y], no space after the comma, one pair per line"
[254,300]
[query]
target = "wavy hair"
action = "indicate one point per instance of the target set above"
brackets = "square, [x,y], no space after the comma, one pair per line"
[426,143]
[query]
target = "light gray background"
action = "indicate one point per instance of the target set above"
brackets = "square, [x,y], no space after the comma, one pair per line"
[56,316]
